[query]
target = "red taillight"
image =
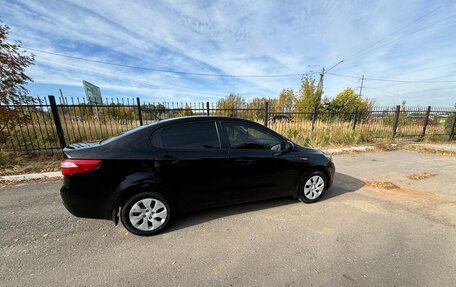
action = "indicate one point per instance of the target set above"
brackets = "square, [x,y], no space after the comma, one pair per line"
[74,166]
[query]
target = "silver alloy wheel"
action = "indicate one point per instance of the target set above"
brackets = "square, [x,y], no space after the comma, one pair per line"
[148,214]
[314,187]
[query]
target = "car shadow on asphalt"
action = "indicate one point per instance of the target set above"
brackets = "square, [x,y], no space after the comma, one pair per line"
[343,183]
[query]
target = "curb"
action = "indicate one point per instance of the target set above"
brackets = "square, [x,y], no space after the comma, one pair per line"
[58,174]
[349,149]
[30,176]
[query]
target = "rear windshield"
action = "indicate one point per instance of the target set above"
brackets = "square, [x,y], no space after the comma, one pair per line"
[125,133]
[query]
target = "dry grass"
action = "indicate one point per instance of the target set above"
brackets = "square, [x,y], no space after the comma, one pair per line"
[425,150]
[382,185]
[11,164]
[328,134]
[323,134]
[420,175]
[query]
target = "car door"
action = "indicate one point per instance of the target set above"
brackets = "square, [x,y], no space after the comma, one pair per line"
[259,167]
[192,163]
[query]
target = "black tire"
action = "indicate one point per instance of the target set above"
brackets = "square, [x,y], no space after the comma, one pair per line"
[147,217]
[307,197]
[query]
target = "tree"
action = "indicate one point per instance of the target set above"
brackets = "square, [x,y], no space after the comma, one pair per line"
[187,110]
[286,100]
[343,105]
[256,108]
[13,80]
[230,105]
[309,95]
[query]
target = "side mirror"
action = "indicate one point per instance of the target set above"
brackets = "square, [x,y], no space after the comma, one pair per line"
[285,148]
[289,146]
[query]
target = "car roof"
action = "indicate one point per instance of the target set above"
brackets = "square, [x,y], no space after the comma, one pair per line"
[197,118]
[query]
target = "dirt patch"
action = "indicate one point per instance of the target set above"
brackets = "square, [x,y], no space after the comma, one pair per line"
[420,175]
[217,268]
[424,203]
[382,185]
[404,192]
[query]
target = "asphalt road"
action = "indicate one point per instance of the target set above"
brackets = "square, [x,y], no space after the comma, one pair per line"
[358,235]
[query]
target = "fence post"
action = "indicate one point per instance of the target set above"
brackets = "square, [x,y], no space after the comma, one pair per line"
[58,124]
[356,118]
[266,113]
[207,109]
[453,127]
[426,121]
[396,120]
[314,117]
[138,102]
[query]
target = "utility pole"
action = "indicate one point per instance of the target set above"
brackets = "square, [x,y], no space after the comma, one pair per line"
[322,74]
[320,82]
[361,87]
[323,71]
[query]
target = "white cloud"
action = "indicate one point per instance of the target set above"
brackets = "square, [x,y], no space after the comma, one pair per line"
[248,37]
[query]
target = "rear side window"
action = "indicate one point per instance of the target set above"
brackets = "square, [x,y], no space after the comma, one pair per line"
[197,135]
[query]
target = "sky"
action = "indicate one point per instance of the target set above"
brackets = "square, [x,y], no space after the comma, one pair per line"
[401,47]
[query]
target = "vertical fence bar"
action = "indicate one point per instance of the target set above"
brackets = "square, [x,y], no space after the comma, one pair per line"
[138,102]
[10,131]
[50,120]
[396,120]
[13,130]
[207,109]
[426,122]
[66,115]
[453,127]
[58,124]
[355,119]
[266,113]
[76,120]
[24,140]
[314,117]
[27,127]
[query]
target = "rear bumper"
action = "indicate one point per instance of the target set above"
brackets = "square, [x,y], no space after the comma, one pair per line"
[86,202]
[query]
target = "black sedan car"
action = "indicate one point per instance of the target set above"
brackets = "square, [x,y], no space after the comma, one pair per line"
[148,175]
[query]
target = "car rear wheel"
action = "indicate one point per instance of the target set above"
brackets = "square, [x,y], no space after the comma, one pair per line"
[312,187]
[146,213]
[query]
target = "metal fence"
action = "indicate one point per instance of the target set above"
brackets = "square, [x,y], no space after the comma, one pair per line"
[44,125]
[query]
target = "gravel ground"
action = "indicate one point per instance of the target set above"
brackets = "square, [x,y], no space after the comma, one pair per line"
[358,235]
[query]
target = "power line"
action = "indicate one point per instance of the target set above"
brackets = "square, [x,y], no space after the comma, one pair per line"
[164,70]
[365,50]
[383,91]
[425,69]
[392,80]
[406,35]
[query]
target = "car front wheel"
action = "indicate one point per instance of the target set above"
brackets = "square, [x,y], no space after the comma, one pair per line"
[146,213]
[312,187]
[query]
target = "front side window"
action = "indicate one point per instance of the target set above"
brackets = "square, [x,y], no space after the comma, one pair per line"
[190,136]
[242,136]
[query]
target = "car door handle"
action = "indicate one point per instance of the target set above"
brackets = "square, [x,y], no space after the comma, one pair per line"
[243,161]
